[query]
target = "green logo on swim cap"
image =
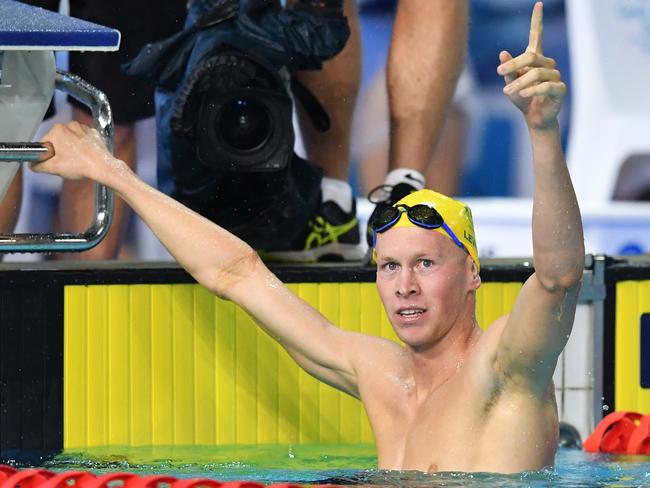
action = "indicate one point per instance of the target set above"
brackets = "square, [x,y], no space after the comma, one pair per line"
[468,213]
[469,237]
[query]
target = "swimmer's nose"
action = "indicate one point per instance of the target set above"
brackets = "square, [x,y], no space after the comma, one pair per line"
[407,285]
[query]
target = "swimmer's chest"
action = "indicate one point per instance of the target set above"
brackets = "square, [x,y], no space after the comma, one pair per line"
[412,436]
[467,429]
[446,428]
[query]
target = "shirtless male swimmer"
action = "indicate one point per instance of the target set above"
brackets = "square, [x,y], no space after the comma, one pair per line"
[452,398]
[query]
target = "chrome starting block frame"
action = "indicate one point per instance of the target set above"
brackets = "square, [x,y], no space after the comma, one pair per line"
[27,29]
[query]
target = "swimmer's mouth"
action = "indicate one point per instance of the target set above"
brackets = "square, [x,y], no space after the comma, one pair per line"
[410,312]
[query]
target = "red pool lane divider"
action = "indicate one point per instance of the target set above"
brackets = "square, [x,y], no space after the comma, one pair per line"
[42,478]
[620,433]
[640,439]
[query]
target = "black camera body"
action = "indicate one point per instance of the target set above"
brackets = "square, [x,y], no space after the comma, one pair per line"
[224,106]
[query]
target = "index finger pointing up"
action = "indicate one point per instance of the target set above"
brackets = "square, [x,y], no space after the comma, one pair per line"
[536,29]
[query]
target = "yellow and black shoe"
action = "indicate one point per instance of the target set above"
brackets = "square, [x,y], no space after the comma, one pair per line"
[331,235]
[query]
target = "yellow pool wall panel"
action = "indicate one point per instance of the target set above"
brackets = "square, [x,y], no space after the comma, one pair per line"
[148,365]
[632,301]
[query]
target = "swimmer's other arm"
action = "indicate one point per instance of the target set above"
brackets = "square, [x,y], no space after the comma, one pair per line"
[542,317]
[218,260]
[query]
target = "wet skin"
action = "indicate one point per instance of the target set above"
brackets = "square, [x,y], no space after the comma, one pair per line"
[440,402]
[451,397]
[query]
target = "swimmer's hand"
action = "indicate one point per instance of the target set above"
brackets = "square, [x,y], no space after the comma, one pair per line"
[532,83]
[79,152]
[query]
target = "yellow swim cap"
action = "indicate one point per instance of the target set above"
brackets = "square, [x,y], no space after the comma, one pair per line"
[456,215]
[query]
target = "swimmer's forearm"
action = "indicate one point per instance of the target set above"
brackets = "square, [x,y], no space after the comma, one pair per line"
[558,243]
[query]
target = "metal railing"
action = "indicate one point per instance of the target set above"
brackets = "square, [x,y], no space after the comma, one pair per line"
[35,152]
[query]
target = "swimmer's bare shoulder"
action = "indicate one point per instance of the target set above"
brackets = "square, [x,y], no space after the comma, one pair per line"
[380,360]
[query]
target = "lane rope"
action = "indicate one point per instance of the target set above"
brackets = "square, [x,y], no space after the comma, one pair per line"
[43,478]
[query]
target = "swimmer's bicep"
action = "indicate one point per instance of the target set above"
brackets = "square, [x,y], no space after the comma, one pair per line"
[332,359]
[318,346]
[342,379]
[357,359]
[535,333]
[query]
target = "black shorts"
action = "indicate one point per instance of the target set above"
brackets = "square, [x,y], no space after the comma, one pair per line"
[140,22]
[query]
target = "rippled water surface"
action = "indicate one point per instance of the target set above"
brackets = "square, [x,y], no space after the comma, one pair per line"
[342,465]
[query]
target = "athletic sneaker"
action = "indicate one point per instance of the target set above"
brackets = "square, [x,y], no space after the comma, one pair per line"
[331,235]
[385,196]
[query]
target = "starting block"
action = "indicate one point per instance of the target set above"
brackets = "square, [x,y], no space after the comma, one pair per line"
[28,77]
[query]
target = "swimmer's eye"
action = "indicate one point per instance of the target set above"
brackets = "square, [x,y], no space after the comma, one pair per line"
[390,266]
[426,263]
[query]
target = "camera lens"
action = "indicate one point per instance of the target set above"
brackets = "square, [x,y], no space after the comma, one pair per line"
[244,124]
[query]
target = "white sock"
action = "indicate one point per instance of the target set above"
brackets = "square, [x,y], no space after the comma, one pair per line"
[405,175]
[338,191]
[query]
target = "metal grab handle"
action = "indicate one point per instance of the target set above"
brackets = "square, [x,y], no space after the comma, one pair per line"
[11,152]
[68,242]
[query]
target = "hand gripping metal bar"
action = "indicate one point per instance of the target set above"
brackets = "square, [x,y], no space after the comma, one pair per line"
[35,152]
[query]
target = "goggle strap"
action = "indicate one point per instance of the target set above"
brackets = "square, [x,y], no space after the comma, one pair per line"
[452,235]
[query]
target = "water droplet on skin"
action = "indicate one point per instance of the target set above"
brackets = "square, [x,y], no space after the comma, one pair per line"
[273,282]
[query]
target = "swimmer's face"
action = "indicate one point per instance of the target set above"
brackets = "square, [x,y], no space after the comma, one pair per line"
[424,281]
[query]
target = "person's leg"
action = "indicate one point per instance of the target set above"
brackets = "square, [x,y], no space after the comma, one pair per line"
[336,87]
[131,99]
[333,233]
[10,205]
[426,56]
[77,200]
[371,136]
[444,169]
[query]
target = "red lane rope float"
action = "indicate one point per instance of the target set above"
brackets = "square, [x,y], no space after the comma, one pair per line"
[63,480]
[5,472]
[27,478]
[150,481]
[640,439]
[198,482]
[42,478]
[620,433]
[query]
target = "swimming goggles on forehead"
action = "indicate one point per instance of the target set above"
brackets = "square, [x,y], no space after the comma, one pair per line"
[421,215]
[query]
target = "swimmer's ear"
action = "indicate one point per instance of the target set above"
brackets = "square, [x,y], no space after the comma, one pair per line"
[476,275]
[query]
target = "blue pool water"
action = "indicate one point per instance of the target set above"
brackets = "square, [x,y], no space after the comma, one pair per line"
[344,465]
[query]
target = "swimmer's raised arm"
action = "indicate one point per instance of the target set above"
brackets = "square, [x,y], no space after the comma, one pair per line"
[218,260]
[540,323]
